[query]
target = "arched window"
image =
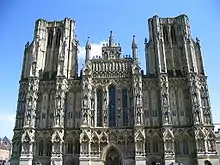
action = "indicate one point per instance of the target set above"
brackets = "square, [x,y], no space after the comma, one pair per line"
[49,148]
[58,36]
[50,38]
[69,147]
[125,106]
[165,34]
[99,107]
[173,34]
[41,148]
[77,147]
[185,146]
[155,146]
[112,106]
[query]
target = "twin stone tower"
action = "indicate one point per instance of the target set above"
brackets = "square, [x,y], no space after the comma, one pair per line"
[113,113]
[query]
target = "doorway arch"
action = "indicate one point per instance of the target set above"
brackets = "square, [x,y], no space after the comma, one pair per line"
[112,155]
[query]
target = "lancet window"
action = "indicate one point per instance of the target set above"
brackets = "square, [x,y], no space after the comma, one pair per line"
[99,107]
[112,106]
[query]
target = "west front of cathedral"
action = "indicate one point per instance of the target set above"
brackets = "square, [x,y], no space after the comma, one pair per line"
[113,113]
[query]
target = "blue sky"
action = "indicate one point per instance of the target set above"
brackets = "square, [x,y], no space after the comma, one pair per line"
[95,19]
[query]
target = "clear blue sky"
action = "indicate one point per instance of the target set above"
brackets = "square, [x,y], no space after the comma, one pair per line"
[95,18]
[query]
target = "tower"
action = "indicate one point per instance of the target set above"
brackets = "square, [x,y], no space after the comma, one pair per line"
[172,53]
[51,57]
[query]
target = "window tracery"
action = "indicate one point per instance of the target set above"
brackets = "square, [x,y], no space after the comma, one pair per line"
[50,38]
[112,106]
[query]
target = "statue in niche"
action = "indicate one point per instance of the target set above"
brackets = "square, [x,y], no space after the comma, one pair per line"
[212,145]
[208,119]
[105,120]
[92,103]
[58,102]
[28,117]
[26,147]
[168,145]
[85,102]
[138,101]
[33,69]
[197,116]
[163,79]
[194,98]
[56,147]
[29,102]
[138,118]
[57,119]
[165,101]
[85,119]
[92,121]
[105,102]
[166,116]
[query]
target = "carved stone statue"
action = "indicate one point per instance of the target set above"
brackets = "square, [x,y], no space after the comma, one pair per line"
[197,116]
[165,99]
[26,147]
[92,103]
[194,98]
[28,117]
[84,119]
[138,101]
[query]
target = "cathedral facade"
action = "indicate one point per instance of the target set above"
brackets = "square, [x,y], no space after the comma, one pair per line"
[113,113]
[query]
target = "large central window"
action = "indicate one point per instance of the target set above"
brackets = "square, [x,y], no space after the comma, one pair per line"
[112,106]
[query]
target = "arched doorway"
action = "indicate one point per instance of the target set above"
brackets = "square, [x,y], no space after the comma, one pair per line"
[113,157]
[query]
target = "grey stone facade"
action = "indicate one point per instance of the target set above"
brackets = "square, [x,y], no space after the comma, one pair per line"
[113,113]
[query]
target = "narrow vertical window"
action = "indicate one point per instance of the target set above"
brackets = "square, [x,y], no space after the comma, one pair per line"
[58,36]
[165,36]
[49,148]
[125,106]
[173,35]
[112,106]
[69,147]
[99,107]
[41,148]
[155,146]
[185,147]
[50,38]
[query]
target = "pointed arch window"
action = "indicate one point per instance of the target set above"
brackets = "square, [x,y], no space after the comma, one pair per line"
[58,36]
[77,148]
[185,146]
[155,146]
[125,106]
[165,34]
[41,148]
[112,106]
[69,147]
[49,148]
[173,34]
[50,38]
[99,107]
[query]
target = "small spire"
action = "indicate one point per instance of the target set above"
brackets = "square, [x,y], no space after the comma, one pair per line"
[88,46]
[134,44]
[111,41]
[145,40]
